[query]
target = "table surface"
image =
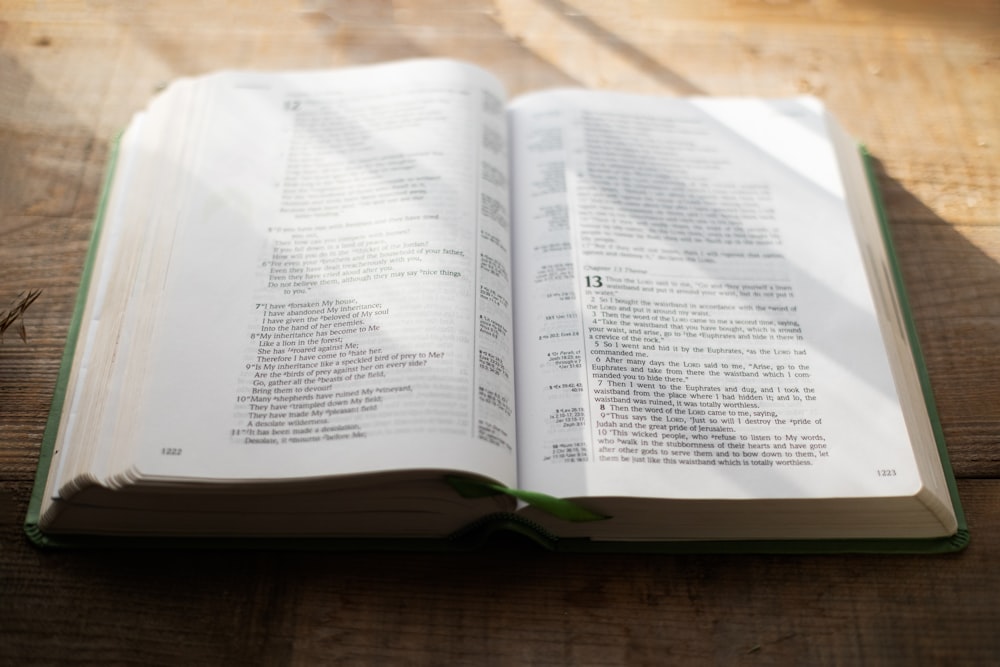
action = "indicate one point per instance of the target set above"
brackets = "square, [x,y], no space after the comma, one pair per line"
[918,82]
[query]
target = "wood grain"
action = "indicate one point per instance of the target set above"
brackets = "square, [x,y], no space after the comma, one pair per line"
[918,82]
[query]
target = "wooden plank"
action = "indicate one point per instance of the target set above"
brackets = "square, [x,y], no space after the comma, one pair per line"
[512,605]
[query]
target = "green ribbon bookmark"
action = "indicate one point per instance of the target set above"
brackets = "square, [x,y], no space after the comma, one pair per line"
[557,507]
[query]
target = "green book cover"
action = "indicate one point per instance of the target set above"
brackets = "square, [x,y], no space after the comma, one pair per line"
[478,534]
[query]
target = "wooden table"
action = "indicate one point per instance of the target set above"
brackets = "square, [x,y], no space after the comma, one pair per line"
[918,82]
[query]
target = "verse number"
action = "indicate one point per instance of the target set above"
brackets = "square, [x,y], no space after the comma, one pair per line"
[171,451]
[886,472]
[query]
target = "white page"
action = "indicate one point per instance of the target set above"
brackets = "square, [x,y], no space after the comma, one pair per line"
[325,299]
[693,317]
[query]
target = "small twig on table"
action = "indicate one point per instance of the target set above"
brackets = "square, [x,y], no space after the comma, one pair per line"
[14,316]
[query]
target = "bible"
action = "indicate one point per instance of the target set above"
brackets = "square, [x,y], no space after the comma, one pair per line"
[389,307]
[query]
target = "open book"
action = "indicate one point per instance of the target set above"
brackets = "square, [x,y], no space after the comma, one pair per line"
[386,303]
